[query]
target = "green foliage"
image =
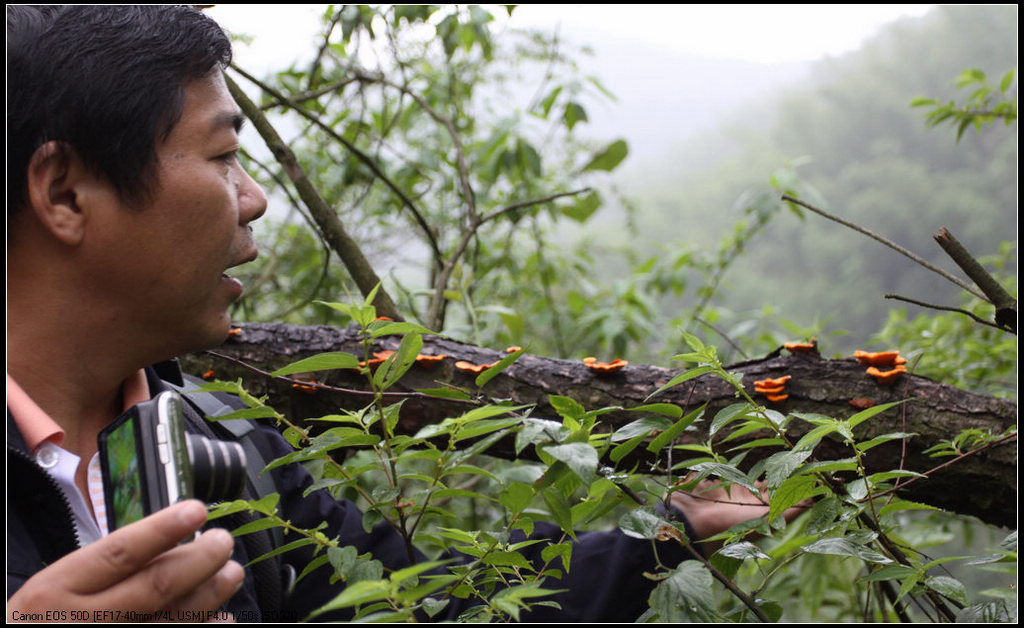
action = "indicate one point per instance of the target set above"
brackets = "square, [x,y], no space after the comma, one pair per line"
[413,127]
[850,556]
[409,127]
[986,104]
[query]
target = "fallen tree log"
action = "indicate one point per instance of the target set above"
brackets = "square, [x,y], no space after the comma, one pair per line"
[981,485]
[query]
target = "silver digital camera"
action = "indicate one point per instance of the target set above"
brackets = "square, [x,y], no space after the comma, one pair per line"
[149,462]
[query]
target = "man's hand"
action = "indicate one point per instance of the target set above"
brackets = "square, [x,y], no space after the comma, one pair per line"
[710,508]
[140,569]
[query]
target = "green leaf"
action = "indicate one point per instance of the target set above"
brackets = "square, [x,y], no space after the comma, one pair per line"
[321,362]
[898,505]
[743,550]
[259,412]
[677,428]
[581,458]
[842,547]
[562,551]
[685,596]
[445,393]
[355,594]
[609,158]
[559,508]
[516,497]
[727,415]
[684,376]
[262,523]
[510,600]
[884,438]
[1007,80]
[502,364]
[574,114]
[669,410]
[778,467]
[726,472]
[791,492]
[641,427]
[399,362]
[889,572]
[584,207]
[642,523]
[810,440]
[389,328]
[948,587]
[864,415]
[624,449]
[567,407]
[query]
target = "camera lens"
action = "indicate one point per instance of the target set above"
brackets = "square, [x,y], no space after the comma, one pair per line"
[218,468]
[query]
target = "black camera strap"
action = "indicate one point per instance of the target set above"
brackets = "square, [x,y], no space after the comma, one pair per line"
[274,579]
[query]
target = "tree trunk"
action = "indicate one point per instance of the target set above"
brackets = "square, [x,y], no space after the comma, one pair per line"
[982,485]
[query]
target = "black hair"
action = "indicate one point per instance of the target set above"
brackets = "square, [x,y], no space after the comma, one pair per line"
[108,82]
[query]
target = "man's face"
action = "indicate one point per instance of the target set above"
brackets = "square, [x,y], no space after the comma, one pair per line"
[161,267]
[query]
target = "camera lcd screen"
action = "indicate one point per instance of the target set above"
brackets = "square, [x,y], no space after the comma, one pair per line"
[123,477]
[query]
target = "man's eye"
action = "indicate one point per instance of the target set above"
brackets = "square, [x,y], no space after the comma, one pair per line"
[229,156]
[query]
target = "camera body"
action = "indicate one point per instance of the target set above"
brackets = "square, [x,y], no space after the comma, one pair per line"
[149,462]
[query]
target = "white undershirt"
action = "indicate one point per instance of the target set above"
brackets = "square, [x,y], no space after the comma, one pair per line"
[61,465]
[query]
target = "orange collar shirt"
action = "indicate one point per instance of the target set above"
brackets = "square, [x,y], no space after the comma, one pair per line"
[45,438]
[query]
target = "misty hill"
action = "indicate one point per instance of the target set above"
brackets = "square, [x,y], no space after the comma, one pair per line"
[868,153]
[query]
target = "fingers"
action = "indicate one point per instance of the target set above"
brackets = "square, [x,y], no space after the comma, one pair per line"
[196,576]
[211,595]
[125,551]
[142,568]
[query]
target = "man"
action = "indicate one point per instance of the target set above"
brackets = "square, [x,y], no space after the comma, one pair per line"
[127,207]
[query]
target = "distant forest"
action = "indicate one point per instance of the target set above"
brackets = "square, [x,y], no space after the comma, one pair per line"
[872,159]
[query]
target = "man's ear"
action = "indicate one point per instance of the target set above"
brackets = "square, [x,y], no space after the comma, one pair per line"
[56,184]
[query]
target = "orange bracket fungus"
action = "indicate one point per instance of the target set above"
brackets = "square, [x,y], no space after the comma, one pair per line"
[473,368]
[235,331]
[802,347]
[886,378]
[862,403]
[429,361]
[309,389]
[379,357]
[882,358]
[209,375]
[773,389]
[604,368]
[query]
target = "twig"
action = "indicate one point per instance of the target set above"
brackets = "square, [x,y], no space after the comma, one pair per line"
[995,443]
[327,388]
[537,201]
[976,318]
[892,245]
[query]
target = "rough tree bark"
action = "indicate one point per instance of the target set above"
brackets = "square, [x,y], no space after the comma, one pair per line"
[981,485]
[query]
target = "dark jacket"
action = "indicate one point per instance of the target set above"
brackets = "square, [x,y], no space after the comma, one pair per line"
[605,582]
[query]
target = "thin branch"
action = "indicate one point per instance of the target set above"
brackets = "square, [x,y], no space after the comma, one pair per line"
[363,157]
[334,231]
[989,445]
[327,388]
[892,245]
[539,201]
[976,318]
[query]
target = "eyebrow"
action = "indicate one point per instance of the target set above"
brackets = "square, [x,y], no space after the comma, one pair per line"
[233,119]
